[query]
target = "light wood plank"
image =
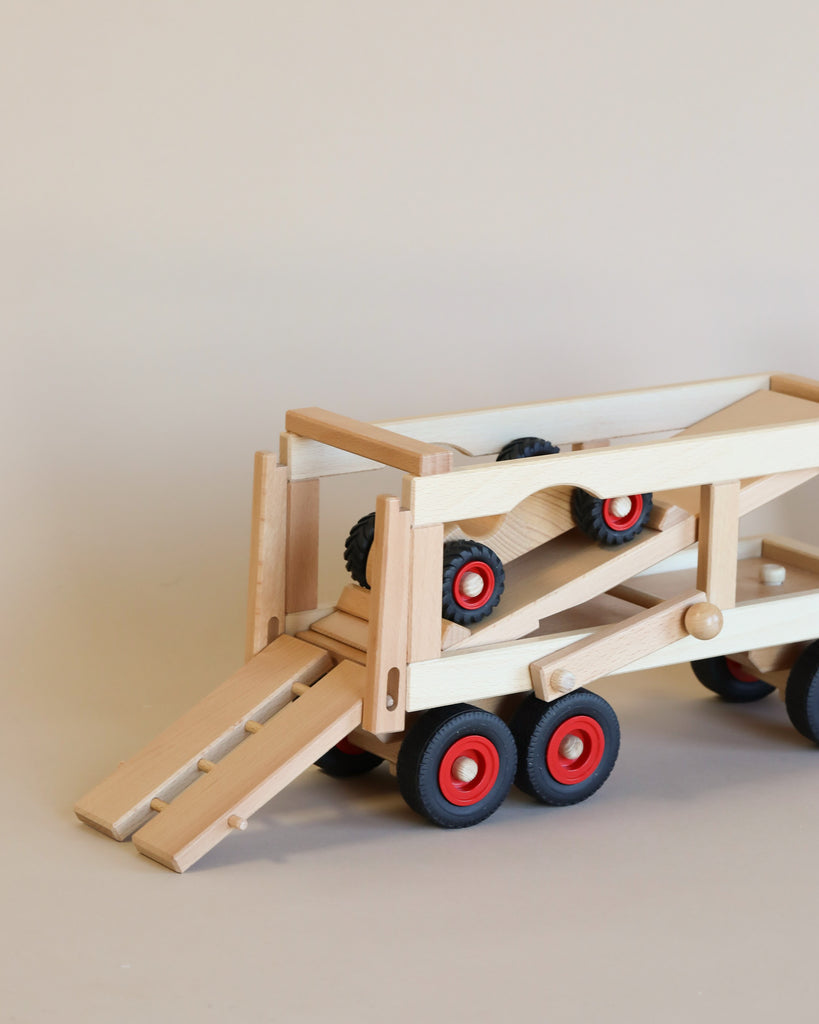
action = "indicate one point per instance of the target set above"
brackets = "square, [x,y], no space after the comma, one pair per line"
[384,703]
[718,543]
[661,466]
[371,442]
[504,668]
[791,552]
[562,421]
[252,773]
[798,387]
[355,600]
[336,648]
[612,647]
[347,628]
[426,574]
[268,546]
[121,803]
[302,544]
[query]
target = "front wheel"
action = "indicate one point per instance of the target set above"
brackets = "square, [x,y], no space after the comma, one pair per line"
[567,748]
[456,765]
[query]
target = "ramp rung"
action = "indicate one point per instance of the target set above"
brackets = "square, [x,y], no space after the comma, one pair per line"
[256,770]
[122,802]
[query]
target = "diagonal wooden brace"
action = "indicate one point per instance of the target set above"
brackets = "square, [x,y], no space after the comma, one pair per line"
[612,647]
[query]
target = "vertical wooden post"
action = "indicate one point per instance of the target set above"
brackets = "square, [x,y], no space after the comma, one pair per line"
[426,572]
[268,543]
[718,542]
[302,545]
[385,697]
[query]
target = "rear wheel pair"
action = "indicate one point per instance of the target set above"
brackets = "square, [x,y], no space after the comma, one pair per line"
[458,763]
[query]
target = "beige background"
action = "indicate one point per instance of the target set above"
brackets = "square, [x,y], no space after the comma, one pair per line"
[211,213]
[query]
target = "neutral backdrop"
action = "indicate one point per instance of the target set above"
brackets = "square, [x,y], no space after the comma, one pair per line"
[213,212]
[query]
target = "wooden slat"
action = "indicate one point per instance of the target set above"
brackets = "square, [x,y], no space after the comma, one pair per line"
[472,675]
[718,543]
[613,647]
[121,803]
[562,421]
[256,770]
[791,552]
[389,611]
[355,600]
[302,544]
[426,574]
[268,546]
[336,648]
[798,387]
[371,442]
[346,628]
[658,467]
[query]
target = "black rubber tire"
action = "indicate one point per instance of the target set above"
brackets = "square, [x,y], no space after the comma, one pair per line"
[342,765]
[538,731]
[452,732]
[526,448]
[357,548]
[715,674]
[457,554]
[802,693]
[589,514]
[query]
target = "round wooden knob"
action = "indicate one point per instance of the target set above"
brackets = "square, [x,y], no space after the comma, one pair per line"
[704,621]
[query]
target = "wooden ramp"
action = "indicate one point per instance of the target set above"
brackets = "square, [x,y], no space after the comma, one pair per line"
[251,774]
[121,803]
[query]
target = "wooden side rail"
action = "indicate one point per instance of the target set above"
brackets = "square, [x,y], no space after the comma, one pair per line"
[371,442]
[562,421]
[796,387]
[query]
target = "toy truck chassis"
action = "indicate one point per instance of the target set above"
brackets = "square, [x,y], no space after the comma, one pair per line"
[382,676]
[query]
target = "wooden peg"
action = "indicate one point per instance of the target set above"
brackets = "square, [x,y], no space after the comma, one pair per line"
[234,821]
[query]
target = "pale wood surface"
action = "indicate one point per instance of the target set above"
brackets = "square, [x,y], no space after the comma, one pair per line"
[268,545]
[252,773]
[302,544]
[336,648]
[119,804]
[389,613]
[658,466]
[504,668]
[718,541]
[561,421]
[615,646]
[372,442]
[452,634]
[539,518]
[749,586]
[355,600]
[349,629]
[798,387]
[569,571]
[426,573]
[790,553]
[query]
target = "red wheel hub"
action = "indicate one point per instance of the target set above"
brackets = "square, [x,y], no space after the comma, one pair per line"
[469,770]
[624,522]
[739,673]
[348,748]
[575,749]
[486,577]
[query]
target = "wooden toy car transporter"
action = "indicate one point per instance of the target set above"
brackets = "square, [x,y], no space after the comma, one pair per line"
[459,711]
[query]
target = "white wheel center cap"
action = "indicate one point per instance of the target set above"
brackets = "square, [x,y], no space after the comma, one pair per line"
[571,748]
[620,507]
[464,769]
[471,584]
